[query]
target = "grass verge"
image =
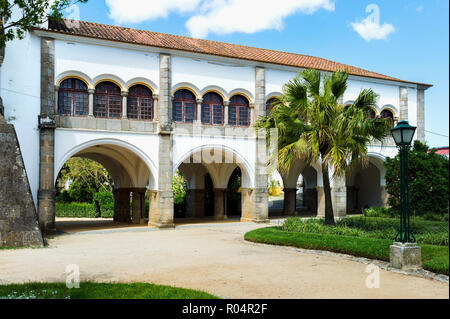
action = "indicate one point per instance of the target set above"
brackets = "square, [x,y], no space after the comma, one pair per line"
[90,290]
[434,258]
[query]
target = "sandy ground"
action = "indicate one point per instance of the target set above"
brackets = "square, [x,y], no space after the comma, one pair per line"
[212,257]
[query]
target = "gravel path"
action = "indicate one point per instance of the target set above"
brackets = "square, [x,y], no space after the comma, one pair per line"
[210,257]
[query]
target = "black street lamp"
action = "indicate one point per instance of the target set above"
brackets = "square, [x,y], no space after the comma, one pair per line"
[403,134]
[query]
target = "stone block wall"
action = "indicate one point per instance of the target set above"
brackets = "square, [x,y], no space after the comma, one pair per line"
[18,218]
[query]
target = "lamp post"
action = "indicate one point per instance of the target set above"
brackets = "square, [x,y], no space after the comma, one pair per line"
[404,253]
[403,134]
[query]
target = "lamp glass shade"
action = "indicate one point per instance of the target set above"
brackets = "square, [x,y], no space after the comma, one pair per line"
[403,133]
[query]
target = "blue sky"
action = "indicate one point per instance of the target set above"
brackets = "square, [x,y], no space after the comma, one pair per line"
[410,41]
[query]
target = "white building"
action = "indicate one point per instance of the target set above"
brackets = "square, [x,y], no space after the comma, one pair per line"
[145,104]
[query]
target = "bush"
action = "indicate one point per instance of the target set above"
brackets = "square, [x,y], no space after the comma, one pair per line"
[64,197]
[80,210]
[428,181]
[381,212]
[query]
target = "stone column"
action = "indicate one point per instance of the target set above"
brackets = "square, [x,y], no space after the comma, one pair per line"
[320,202]
[220,203]
[310,200]
[138,205]
[155,107]
[195,205]
[226,104]
[91,102]
[56,99]
[122,205]
[198,119]
[384,196]
[255,201]
[47,125]
[161,199]
[290,199]
[252,114]
[339,197]
[421,113]
[403,96]
[258,210]
[124,105]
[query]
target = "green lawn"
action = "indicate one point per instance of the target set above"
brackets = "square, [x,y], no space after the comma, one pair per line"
[435,258]
[90,290]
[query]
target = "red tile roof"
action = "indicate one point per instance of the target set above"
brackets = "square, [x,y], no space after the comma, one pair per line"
[174,42]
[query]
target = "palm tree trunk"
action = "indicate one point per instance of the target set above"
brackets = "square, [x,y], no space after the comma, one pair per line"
[329,216]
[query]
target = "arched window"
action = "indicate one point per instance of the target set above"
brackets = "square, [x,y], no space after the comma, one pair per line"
[212,109]
[387,114]
[107,100]
[184,109]
[140,103]
[239,111]
[73,98]
[269,105]
[372,114]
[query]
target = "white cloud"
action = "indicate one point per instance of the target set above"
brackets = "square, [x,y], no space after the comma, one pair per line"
[370,28]
[136,11]
[216,16]
[248,16]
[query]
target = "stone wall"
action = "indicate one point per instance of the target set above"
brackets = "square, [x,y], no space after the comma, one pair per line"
[18,219]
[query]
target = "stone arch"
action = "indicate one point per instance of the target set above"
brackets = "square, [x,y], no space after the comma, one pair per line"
[76,75]
[366,184]
[272,95]
[391,108]
[228,156]
[142,81]
[110,78]
[215,89]
[131,165]
[187,86]
[242,92]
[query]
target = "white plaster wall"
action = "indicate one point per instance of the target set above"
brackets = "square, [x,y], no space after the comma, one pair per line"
[206,73]
[95,60]
[20,91]
[388,94]
[68,142]
[275,79]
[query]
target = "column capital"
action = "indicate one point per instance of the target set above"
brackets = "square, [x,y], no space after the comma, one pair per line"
[91,91]
[56,87]
[155,96]
[200,100]
[252,105]
[124,93]
[226,103]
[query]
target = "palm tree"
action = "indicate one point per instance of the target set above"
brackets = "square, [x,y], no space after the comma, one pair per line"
[312,125]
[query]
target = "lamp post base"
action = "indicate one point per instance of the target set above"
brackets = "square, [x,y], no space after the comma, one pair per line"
[405,256]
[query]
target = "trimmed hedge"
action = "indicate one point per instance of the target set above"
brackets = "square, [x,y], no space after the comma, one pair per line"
[81,210]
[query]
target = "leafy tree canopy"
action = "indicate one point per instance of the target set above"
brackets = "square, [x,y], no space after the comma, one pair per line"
[33,13]
[428,180]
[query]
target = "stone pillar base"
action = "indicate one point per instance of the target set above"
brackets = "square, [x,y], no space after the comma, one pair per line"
[160,225]
[405,256]
[252,220]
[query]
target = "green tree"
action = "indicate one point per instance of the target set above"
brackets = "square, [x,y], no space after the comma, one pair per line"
[428,174]
[312,125]
[179,187]
[33,13]
[86,177]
